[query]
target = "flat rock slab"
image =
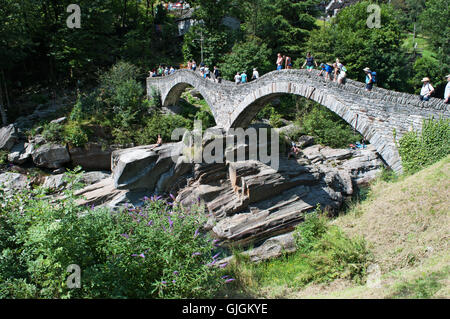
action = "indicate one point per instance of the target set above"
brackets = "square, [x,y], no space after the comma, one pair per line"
[13,181]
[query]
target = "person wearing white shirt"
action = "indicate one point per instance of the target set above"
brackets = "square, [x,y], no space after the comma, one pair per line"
[427,90]
[447,91]
[255,74]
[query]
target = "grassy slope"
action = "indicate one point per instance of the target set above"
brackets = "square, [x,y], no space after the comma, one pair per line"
[406,224]
[423,46]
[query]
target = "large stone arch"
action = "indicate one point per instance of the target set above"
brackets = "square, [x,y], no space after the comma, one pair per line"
[382,116]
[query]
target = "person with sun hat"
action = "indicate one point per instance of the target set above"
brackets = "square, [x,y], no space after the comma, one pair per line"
[427,89]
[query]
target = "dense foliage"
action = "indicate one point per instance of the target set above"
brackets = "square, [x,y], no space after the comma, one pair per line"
[154,251]
[421,149]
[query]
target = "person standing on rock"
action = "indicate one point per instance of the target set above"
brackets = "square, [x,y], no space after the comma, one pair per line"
[427,90]
[447,90]
[194,65]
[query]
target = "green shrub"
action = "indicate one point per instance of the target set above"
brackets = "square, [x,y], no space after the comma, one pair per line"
[308,233]
[336,256]
[155,251]
[75,135]
[53,132]
[419,150]
[328,253]
[164,125]
[328,128]
[3,157]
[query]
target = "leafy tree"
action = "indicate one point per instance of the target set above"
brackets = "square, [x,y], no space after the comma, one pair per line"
[434,21]
[358,46]
[245,56]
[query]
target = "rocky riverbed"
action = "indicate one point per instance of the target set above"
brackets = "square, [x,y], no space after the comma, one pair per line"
[249,203]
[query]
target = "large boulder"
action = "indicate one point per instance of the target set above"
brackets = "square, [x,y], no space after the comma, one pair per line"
[20,153]
[51,156]
[141,168]
[8,137]
[93,156]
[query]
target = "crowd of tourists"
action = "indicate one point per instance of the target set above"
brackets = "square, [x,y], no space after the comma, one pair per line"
[336,72]
[162,70]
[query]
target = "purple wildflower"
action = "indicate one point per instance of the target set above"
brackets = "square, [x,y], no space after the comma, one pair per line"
[174,281]
[223,265]
[150,223]
[170,223]
[176,273]
[134,255]
[125,235]
[196,233]
[225,277]
[171,196]
[146,198]
[92,207]
[164,282]
[158,198]
[229,280]
[196,254]
[216,255]
[142,255]
[212,263]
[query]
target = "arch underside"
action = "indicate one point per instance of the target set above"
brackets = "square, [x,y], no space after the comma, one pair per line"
[174,94]
[358,120]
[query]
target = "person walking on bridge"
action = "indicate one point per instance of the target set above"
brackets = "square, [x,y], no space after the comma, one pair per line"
[237,78]
[427,90]
[447,91]
[217,75]
[243,77]
[328,69]
[255,74]
[369,79]
[309,62]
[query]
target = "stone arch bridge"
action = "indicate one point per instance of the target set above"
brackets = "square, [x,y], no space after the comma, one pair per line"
[376,115]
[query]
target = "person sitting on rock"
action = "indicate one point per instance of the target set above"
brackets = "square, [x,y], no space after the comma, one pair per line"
[158,142]
[295,150]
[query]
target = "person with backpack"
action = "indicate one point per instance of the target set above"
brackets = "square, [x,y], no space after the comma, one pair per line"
[255,74]
[340,72]
[309,62]
[217,75]
[370,79]
[427,90]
